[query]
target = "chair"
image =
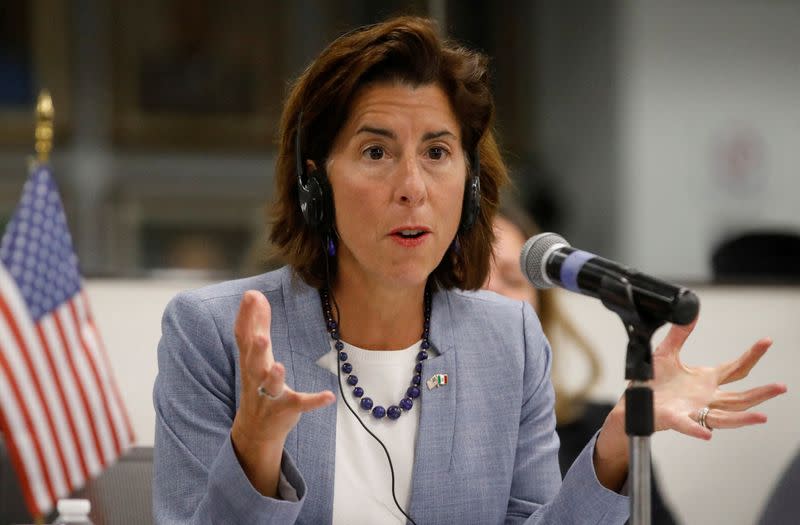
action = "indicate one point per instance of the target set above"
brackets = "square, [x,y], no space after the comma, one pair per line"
[758,256]
[783,505]
[121,495]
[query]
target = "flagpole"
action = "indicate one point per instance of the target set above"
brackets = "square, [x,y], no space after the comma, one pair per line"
[45,115]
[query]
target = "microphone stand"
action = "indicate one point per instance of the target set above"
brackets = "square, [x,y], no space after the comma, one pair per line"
[617,295]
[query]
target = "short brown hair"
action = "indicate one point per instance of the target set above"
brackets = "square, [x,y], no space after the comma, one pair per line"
[404,50]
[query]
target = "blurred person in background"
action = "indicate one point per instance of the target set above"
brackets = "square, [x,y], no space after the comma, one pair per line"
[577,417]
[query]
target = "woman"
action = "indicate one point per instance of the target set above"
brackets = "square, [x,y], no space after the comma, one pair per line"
[380,216]
[577,418]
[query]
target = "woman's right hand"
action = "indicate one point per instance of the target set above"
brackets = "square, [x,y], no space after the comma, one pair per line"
[262,422]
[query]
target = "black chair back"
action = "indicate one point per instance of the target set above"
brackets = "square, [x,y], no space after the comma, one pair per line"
[758,257]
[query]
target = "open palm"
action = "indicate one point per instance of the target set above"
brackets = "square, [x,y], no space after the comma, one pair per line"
[681,391]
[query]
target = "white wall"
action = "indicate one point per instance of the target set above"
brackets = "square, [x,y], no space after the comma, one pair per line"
[723,481]
[128,315]
[709,101]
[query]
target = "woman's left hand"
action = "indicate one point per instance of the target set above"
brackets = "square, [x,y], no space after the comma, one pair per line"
[680,394]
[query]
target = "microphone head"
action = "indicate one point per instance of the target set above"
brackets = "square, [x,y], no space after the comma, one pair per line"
[534,255]
[685,307]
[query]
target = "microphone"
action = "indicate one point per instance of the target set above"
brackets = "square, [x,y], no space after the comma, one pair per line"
[548,260]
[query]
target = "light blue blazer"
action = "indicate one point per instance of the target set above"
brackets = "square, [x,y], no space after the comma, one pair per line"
[486,449]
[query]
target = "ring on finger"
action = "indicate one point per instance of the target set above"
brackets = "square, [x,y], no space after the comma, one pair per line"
[702,414]
[262,392]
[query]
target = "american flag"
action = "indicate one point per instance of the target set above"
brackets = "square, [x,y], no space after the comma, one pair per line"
[61,414]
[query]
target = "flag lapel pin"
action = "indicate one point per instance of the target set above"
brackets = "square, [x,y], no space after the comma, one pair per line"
[436,381]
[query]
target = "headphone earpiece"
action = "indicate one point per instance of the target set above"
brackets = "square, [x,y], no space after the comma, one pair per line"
[314,194]
[472,195]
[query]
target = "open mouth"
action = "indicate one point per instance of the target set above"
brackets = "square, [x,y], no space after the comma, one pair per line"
[410,234]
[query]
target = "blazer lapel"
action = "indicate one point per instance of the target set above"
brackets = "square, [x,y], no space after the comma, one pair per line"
[314,437]
[437,422]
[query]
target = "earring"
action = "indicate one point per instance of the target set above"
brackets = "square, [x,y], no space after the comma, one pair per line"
[331,246]
[456,246]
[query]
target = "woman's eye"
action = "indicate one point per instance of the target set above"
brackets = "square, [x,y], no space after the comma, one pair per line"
[437,153]
[374,152]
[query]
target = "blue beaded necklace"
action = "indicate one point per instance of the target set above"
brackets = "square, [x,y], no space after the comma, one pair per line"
[366,403]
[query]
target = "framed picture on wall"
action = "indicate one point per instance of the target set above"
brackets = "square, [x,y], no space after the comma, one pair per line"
[197,74]
[34,54]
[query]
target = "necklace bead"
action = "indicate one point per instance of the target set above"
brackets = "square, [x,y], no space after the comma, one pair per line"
[394,412]
[366,403]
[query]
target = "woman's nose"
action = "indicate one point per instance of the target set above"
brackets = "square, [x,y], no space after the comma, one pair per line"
[411,188]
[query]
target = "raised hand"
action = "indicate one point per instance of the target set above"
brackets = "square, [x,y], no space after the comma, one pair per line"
[680,395]
[268,408]
[682,392]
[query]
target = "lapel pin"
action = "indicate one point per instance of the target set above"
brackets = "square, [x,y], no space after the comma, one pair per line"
[436,381]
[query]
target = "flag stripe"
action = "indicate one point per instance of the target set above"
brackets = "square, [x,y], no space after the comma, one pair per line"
[24,357]
[31,334]
[85,379]
[104,356]
[40,462]
[92,340]
[117,418]
[70,382]
[77,476]
[61,482]
[98,382]
[32,410]
[6,420]
[81,391]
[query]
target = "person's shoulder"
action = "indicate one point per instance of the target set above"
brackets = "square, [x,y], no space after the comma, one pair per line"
[225,296]
[484,297]
[487,303]
[265,282]
[492,312]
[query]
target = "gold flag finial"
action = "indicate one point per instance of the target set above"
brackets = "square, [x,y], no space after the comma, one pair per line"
[45,115]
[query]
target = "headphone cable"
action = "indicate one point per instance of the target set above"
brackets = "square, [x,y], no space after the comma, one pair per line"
[347,404]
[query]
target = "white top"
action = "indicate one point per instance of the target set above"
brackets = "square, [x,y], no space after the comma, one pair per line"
[362,488]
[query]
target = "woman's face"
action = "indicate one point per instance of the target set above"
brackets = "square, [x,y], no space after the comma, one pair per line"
[505,273]
[397,170]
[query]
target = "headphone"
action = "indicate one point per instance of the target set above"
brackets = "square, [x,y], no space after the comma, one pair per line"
[472,194]
[316,197]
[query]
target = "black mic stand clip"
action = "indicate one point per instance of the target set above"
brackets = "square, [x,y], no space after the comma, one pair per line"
[617,295]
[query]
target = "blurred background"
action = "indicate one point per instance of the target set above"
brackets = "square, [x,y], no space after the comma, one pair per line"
[662,134]
[649,132]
